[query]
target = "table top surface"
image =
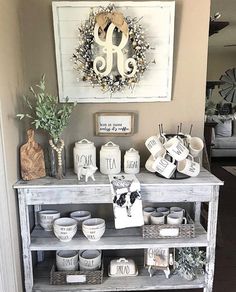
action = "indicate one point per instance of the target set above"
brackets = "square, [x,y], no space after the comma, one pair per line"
[144,177]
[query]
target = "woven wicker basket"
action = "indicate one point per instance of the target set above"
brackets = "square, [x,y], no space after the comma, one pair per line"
[75,277]
[170,231]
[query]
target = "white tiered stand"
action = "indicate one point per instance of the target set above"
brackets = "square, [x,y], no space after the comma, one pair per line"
[204,188]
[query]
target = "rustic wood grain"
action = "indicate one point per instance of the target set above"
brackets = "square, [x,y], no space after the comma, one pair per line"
[204,188]
[32,159]
[140,283]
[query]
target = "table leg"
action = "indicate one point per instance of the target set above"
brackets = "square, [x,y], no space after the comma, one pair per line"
[197,211]
[25,235]
[40,254]
[211,236]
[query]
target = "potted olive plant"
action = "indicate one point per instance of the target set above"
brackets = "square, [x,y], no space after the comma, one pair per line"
[53,117]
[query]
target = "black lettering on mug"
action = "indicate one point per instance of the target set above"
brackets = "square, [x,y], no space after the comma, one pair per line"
[151,144]
[162,165]
[179,149]
[192,167]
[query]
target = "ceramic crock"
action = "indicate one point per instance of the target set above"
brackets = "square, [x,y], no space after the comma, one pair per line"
[110,158]
[131,161]
[84,154]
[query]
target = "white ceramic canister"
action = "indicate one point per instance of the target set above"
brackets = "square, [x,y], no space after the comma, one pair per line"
[84,154]
[110,158]
[131,161]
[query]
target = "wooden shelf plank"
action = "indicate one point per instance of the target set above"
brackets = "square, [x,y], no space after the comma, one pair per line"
[129,238]
[145,178]
[153,189]
[141,282]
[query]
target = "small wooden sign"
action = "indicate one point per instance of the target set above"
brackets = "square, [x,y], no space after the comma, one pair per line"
[114,124]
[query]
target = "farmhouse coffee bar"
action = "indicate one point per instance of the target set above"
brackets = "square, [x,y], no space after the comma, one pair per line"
[111,186]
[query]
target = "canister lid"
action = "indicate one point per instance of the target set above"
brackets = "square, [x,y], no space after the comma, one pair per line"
[132,151]
[110,146]
[84,143]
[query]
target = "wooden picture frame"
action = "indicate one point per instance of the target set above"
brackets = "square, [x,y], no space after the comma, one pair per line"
[156,84]
[114,123]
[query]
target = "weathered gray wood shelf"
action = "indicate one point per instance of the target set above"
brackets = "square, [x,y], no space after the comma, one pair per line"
[204,188]
[141,282]
[130,238]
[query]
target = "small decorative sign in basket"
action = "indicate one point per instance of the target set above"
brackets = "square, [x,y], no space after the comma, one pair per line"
[75,277]
[170,230]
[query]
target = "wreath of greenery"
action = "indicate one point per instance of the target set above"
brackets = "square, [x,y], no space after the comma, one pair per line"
[84,54]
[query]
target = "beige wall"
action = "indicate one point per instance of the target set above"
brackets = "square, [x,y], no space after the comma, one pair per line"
[218,63]
[187,106]
[11,80]
[189,75]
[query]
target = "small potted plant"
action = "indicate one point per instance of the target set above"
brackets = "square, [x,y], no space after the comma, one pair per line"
[190,262]
[48,114]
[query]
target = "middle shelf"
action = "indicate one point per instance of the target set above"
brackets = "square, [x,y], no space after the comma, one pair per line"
[129,238]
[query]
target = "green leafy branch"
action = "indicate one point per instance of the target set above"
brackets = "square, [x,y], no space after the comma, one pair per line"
[190,262]
[45,111]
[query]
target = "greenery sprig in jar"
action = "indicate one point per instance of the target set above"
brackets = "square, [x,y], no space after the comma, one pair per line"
[48,114]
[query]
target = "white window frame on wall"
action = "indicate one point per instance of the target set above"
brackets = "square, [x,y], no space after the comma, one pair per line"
[156,83]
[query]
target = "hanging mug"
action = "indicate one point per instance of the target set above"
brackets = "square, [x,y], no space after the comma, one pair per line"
[149,163]
[176,149]
[189,167]
[163,166]
[196,145]
[155,146]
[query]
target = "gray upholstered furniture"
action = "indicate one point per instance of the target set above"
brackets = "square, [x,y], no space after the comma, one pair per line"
[224,136]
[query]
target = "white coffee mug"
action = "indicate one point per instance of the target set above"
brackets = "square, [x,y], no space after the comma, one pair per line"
[189,167]
[176,149]
[147,211]
[155,146]
[175,219]
[164,166]
[196,146]
[149,163]
[163,210]
[90,259]
[178,211]
[67,260]
[157,218]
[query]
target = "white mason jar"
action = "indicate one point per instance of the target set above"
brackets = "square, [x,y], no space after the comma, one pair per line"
[110,159]
[84,154]
[131,161]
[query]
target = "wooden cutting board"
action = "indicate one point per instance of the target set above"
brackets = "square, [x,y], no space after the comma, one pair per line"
[32,159]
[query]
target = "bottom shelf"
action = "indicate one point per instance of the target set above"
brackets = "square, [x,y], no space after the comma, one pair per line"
[140,283]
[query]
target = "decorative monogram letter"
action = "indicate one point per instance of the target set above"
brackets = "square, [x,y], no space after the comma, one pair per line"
[109,49]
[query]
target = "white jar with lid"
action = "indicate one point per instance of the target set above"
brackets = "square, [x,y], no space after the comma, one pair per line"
[84,154]
[131,161]
[110,158]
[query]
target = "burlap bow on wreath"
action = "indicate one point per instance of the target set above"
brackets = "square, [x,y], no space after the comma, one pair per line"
[117,18]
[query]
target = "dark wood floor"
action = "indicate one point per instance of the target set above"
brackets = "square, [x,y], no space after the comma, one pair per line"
[225,270]
[225,274]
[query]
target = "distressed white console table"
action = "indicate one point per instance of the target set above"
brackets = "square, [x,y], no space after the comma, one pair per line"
[46,191]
